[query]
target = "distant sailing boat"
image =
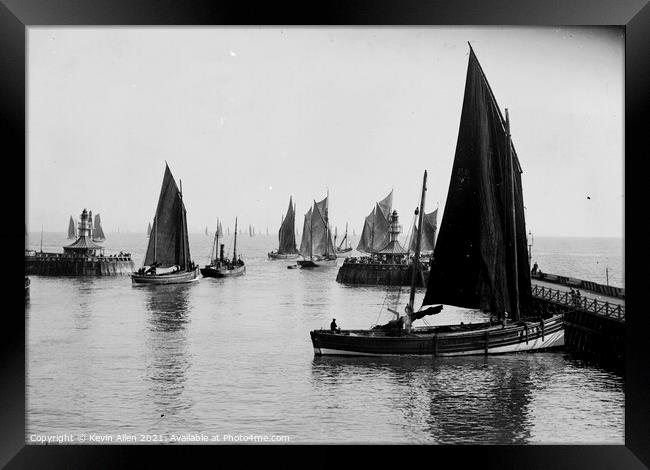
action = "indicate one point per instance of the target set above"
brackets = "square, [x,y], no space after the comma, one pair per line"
[286,235]
[168,254]
[72,230]
[149,230]
[341,249]
[375,236]
[428,237]
[206,230]
[98,233]
[480,258]
[222,266]
[316,247]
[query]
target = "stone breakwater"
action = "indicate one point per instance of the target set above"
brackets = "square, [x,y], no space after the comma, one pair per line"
[382,274]
[56,264]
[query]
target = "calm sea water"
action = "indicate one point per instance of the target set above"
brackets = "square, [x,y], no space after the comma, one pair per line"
[234,357]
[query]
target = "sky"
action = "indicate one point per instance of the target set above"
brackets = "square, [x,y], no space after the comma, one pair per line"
[247,117]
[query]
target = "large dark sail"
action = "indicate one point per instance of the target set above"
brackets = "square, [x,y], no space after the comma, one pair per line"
[286,234]
[168,243]
[474,258]
[98,233]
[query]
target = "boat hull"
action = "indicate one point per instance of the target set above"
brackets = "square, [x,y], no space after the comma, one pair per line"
[162,279]
[210,271]
[325,263]
[528,336]
[283,256]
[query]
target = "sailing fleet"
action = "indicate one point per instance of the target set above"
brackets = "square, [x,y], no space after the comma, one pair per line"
[477,259]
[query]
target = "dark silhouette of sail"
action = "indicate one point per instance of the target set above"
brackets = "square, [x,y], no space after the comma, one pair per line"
[375,236]
[429,227]
[98,232]
[286,234]
[473,258]
[168,243]
[72,232]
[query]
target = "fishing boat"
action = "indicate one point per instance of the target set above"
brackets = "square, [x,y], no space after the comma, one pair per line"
[286,236]
[374,235]
[342,250]
[149,230]
[168,258]
[479,261]
[98,232]
[224,267]
[72,229]
[316,246]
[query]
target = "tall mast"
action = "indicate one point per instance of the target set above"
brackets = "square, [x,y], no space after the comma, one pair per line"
[215,243]
[234,249]
[418,241]
[183,228]
[155,237]
[513,222]
[327,225]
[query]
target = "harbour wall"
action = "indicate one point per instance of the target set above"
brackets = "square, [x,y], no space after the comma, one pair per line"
[379,274]
[54,264]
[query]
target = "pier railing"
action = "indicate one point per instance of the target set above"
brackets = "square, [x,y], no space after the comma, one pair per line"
[598,307]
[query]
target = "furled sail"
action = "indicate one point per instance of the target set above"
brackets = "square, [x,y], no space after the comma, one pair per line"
[168,243]
[474,258]
[72,232]
[375,236]
[429,227]
[286,234]
[98,232]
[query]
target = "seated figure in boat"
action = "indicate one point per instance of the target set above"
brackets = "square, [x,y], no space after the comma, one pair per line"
[239,261]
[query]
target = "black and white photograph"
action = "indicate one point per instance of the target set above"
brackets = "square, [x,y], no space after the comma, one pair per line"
[325,235]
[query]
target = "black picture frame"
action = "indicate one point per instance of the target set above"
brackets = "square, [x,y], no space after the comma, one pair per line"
[634,15]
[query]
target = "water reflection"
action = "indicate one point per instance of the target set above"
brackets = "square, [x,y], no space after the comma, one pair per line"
[85,292]
[168,310]
[472,400]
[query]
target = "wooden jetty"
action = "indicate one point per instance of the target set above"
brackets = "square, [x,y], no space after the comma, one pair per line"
[594,323]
